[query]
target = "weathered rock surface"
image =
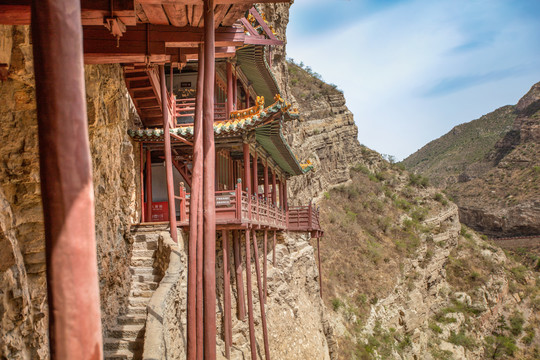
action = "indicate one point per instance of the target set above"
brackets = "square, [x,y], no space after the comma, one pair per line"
[23,310]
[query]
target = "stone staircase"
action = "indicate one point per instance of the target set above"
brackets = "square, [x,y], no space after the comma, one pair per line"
[126,339]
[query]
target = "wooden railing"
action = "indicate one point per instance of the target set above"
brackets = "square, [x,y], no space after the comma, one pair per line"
[238,207]
[185,111]
[304,218]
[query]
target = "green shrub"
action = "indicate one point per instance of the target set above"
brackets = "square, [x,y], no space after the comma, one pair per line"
[418,180]
[327,195]
[361,169]
[461,339]
[435,328]
[337,303]
[516,323]
[499,346]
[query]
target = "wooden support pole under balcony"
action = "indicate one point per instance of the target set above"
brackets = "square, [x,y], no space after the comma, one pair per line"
[67,189]
[261,297]
[209,215]
[240,299]
[141,179]
[265,265]
[274,250]
[319,261]
[148,185]
[274,190]
[227,321]
[168,156]
[252,343]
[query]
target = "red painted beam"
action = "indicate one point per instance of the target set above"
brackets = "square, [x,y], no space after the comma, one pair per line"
[67,189]
[209,215]
[261,297]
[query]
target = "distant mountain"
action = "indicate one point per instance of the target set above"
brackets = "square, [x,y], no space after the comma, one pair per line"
[491,167]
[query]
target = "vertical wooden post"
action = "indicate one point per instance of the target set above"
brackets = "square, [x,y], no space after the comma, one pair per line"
[141,182]
[148,185]
[261,297]
[230,92]
[235,89]
[285,205]
[274,192]
[227,321]
[240,299]
[274,250]
[195,253]
[266,193]
[252,343]
[209,215]
[280,189]
[168,155]
[255,174]
[265,265]
[182,197]
[247,172]
[320,271]
[67,189]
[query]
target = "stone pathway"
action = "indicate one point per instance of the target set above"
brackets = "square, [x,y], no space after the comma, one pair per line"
[126,339]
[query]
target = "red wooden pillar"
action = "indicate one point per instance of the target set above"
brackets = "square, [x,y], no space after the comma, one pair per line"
[168,155]
[141,181]
[240,299]
[255,174]
[261,297]
[274,192]
[67,189]
[274,250]
[230,91]
[280,189]
[252,344]
[266,194]
[285,205]
[319,258]
[227,321]
[247,172]
[194,207]
[209,215]
[148,185]
[235,90]
[265,265]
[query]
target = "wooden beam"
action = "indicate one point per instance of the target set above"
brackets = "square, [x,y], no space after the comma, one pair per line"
[93,12]
[177,14]
[217,2]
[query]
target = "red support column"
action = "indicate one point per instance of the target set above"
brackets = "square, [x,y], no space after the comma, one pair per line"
[280,189]
[227,321]
[168,155]
[230,91]
[285,205]
[235,90]
[67,189]
[148,185]
[194,205]
[198,338]
[320,271]
[255,175]
[252,344]
[209,215]
[240,299]
[141,182]
[247,172]
[274,250]
[261,297]
[265,265]
[274,192]
[266,193]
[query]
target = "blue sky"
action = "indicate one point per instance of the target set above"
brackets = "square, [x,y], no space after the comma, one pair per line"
[413,69]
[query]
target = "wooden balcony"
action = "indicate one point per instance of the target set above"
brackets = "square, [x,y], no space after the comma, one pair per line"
[237,209]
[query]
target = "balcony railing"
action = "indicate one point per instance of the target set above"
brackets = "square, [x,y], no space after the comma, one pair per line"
[238,207]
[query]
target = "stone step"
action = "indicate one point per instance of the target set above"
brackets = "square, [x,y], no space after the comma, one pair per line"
[132,319]
[138,301]
[136,310]
[127,332]
[146,278]
[118,355]
[141,261]
[144,286]
[144,253]
[142,270]
[130,344]
[145,245]
[140,293]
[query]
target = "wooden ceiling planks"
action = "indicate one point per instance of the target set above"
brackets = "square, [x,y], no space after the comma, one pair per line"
[235,12]
[177,14]
[219,13]
[155,14]
[197,15]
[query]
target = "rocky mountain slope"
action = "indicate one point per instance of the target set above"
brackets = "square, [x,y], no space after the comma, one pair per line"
[491,167]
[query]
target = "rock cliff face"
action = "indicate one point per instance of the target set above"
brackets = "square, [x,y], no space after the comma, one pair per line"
[491,168]
[23,304]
